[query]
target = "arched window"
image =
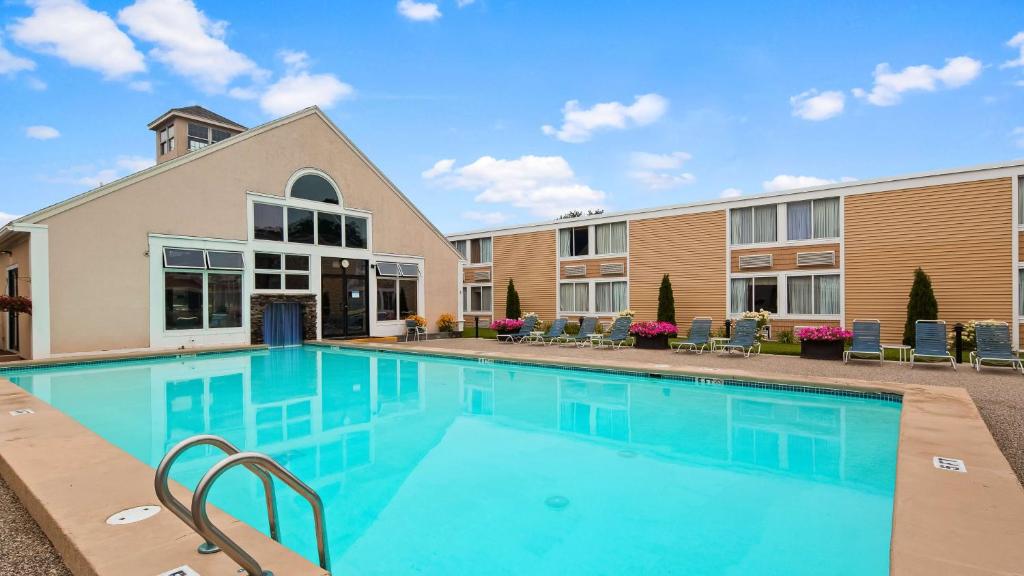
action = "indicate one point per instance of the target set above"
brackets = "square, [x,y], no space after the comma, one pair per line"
[313,186]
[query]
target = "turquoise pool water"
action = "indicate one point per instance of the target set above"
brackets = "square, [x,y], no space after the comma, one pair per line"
[433,465]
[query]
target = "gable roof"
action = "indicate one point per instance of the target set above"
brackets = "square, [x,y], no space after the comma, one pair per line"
[197,112]
[95,193]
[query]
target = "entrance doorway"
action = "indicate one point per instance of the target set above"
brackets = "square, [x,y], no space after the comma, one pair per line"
[344,299]
[12,317]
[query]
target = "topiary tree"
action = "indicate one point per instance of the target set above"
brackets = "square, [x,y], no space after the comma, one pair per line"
[512,309]
[666,301]
[920,306]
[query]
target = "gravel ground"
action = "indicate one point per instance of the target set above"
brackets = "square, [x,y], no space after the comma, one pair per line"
[24,549]
[998,392]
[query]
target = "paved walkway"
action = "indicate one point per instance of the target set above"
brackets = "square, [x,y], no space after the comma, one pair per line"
[998,392]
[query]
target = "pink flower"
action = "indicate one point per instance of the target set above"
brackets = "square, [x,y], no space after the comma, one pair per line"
[824,333]
[653,329]
[507,324]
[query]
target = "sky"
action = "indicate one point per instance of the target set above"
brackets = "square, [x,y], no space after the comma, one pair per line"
[493,112]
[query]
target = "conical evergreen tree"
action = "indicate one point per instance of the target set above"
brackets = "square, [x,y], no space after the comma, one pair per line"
[921,305]
[666,301]
[512,309]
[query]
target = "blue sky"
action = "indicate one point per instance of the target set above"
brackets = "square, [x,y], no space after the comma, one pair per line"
[497,112]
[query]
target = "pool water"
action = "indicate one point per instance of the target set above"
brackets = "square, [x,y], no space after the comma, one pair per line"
[431,465]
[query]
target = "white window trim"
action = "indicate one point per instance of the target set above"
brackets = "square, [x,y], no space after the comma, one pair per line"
[297,247]
[591,296]
[591,242]
[298,202]
[469,309]
[782,291]
[395,327]
[282,272]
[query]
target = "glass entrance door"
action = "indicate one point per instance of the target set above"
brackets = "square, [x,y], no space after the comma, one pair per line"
[344,300]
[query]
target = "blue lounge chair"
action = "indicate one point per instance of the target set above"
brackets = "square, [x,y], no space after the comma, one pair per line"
[700,335]
[528,325]
[993,342]
[554,331]
[867,335]
[744,338]
[930,342]
[618,336]
[581,338]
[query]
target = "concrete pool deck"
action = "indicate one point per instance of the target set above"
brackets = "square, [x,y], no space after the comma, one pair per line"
[70,479]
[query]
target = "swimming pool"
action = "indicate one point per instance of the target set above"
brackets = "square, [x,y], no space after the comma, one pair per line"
[434,465]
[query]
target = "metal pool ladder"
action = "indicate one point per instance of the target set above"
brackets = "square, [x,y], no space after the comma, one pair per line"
[264,468]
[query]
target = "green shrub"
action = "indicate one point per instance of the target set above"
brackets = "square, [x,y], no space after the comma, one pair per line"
[512,307]
[666,302]
[786,337]
[921,305]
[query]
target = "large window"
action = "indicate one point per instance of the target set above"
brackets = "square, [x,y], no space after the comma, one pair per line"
[753,225]
[574,297]
[328,229]
[315,188]
[574,241]
[476,299]
[610,238]
[610,297]
[300,226]
[268,222]
[460,247]
[753,294]
[281,271]
[167,139]
[813,294]
[305,226]
[200,136]
[355,232]
[812,219]
[397,290]
[202,289]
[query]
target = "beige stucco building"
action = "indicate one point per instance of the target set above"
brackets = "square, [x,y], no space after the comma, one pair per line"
[288,219]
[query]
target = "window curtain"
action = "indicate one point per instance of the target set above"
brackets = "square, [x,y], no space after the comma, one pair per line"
[485,249]
[603,296]
[485,299]
[465,299]
[740,228]
[565,296]
[619,300]
[1020,290]
[611,238]
[765,224]
[798,216]
[564,242]
[582,297]
[739,300]
[801,295]
[826,218]
[826,290]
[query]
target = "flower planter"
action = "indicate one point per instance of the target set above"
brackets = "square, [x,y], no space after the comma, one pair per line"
[821,349]
[652,342]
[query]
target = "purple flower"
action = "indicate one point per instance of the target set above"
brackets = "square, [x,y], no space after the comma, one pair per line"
[653,329]
[824,333]
[507,324]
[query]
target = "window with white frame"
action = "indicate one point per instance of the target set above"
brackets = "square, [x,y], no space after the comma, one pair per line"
[167,139]
[476,299]
[397,290]
[202,289]
[813,295]
[460,247]
[200,136]
[1020,200]
[574,297]
[1020,291]
[809,219]
[753,224]
[610,238]
[475,251]
[281,271]
[574,241]
[753,294]
[304,226]
[610,297]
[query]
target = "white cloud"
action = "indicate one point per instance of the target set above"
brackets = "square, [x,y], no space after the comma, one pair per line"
[10,64]
[418,11]
[440,167]
[42,132]
[188,42]
[812,105]
[544,185]
[1018,136]
[578,124]
[464,3]
[889,86]
[789,182]
[488,218]
[133,164]
[78,35]
[294,59]
[92,175]
[657,171]
[300,89]
[6,217]
[1016,42]
[731,193]
[141,85]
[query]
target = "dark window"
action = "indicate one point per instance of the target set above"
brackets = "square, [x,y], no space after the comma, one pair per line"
[182,258]
[224,292]
[183,300]
[406,298]
[268,222]
[387,269]
[355,232]
[296,262]
[268,281]
[316,188]
[387,305]
[219,135]
[328,229]
[300,226]
[224,260]
[580,241]
[268,261]
[296,282]
[766,294]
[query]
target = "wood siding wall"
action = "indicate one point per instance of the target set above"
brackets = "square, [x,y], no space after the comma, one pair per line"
[529,260]
[594,268]
[960,234]
[691,249]
[783,257]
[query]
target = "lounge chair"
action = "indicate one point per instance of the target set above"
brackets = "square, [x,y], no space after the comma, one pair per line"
[744,338]
[930,342]
[581,338]
[867,336]
[554,331]
[617,336]
[700,335]
[524,331]
[994,345]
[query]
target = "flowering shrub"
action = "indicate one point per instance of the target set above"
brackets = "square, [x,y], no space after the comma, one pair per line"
[628,312]
[824,333]
[970,339]
[507,325]
[18,304]
[446,322]
[652,329]
[763,318]
[419,320]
